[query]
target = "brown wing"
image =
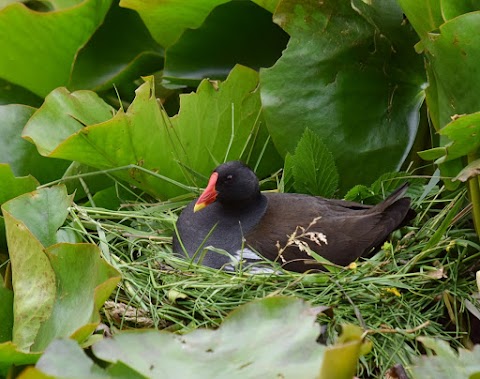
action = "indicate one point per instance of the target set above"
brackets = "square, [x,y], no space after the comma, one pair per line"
[342,231]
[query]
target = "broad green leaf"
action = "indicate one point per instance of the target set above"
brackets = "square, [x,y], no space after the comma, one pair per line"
[42,212]
[80,273]
[59,287]
[222,121]
[314,168]
[235,32]
[20,154]
[11,355]
[454,48]
[41,46]
[247,345]
[447,363]
[349,74]
[116,54]
[164,19]
[66,113]
[33,280]
[220,124]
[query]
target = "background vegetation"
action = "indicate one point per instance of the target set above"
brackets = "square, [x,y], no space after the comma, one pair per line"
[114,114]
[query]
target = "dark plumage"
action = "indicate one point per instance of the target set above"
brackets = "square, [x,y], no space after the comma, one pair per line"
[232,214]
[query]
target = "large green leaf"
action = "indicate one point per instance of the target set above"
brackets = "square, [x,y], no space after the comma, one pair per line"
[447,364]
[79,273]
[232,349]
[247,345]
[238,32]
[116,54]
[167,20]
[39,48]
[219,122]
[33,281]
[42,212]
[58,287]
[22,156]
[350,74]
[63,114]
[454,48]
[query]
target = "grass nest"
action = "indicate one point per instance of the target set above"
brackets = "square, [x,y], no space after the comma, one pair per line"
[416,285]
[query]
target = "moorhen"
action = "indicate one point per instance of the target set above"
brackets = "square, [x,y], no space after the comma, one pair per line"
[233,215]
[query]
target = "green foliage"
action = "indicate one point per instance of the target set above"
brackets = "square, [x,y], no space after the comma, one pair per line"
[165,22]
[447,363]
[214,125]
[449,43]
[238,32]
[44,64]
[116,54]
[313,167]
[6,314]
[20,154]
[338,107]
[247,345]
[58,287]
[10,187]
[463,136]
[397,294]
[361,91]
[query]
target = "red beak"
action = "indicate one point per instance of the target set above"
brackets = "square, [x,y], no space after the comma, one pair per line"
[209,195]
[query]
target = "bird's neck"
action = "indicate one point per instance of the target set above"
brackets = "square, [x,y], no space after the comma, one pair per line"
[246,205]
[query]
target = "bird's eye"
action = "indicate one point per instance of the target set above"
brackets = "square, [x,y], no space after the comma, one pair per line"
[229,178]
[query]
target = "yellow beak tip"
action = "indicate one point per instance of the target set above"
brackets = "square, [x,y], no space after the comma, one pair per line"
[199,207]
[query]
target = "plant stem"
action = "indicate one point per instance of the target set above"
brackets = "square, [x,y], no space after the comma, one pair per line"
[474,193]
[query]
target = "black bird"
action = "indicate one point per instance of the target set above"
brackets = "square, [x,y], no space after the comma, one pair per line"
[233,215]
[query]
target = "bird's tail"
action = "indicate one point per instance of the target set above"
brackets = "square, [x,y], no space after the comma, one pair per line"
[397,207]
